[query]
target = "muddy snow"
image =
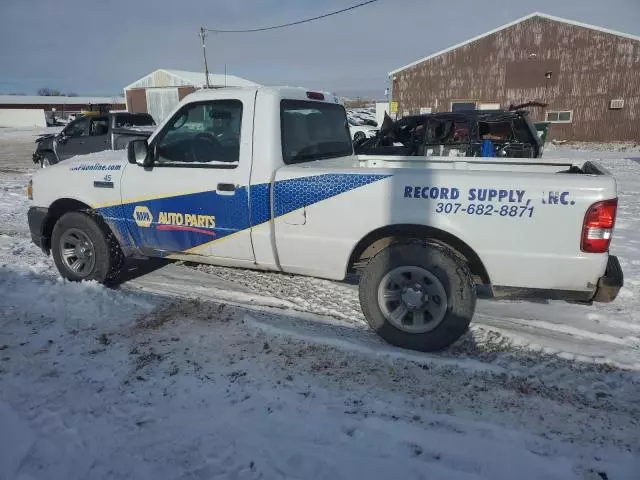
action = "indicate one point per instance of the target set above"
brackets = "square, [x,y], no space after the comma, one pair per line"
[197,372]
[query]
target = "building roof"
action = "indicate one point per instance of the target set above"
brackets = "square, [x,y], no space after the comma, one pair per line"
[58,100]
[177,78]
[511,24]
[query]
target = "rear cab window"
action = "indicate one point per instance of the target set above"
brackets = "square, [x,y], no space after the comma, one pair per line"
[99,126]
[134,120]
[313,131]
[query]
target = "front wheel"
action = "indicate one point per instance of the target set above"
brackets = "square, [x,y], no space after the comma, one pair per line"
[417,296]
[84,248]
[358,137]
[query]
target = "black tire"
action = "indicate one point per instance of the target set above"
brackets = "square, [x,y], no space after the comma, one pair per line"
[107,254]
[454,277]
[48,159]
[359,136]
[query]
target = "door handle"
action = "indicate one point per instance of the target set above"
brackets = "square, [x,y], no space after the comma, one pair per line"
[226,187]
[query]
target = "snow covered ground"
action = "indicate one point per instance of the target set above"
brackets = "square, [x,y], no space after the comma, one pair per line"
[23,134]
[196,372]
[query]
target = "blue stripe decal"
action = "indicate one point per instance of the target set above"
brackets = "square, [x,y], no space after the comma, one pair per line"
[296,193]
[182,222]
[260,197]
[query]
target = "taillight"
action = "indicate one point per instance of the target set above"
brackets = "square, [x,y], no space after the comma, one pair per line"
[598,226]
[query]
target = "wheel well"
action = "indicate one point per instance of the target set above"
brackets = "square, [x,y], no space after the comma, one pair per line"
[379,239]
[56,210]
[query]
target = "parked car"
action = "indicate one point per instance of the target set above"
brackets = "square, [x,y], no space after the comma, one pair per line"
[289,195]
[90,134]
[361,131]
[463,134]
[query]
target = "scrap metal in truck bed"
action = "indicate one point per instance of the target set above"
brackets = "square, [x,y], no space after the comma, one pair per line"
[266,178]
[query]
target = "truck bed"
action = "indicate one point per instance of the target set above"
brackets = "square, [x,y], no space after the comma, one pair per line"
[520,165]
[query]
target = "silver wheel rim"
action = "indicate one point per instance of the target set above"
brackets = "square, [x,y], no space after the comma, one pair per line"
[412,299]
[45,163]
[77,252]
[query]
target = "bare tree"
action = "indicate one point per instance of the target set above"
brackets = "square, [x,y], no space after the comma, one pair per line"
[49,92]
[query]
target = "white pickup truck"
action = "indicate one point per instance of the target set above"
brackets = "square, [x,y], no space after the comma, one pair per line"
[266,178]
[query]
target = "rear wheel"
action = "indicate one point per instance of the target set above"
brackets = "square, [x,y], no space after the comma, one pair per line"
[48,159]
[417,296]
[84,248]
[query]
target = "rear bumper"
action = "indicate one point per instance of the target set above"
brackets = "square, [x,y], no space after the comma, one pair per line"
[606,291]
[37,217]
[610,284]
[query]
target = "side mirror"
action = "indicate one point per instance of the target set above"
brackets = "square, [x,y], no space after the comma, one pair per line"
[138,153]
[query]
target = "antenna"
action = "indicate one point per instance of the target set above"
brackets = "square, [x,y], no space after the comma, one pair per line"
[204,54]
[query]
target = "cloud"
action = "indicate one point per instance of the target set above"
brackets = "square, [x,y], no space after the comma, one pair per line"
[99,47]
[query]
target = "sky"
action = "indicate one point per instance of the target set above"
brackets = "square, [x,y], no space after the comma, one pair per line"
[92,47]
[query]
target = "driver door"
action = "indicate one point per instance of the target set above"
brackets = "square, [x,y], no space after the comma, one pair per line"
[98,139]
[194,200]
[71,140]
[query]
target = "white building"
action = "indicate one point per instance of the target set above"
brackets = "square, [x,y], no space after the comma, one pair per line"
[160,91]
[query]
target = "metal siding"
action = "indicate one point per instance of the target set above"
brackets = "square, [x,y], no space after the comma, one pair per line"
[137,100]
[160,102]
[159,78]
[590,68]
[60,108]
[184,91]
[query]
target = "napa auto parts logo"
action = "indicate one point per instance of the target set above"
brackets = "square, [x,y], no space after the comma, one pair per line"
[143,217]
[175,221]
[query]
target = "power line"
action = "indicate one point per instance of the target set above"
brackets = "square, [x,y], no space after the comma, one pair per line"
[306,20]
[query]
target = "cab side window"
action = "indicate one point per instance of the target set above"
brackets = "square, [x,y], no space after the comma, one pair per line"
[99,126]
[202,134]
[77,128]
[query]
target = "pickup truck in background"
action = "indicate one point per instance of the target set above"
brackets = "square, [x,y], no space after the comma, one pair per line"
[266,178]
[92,133]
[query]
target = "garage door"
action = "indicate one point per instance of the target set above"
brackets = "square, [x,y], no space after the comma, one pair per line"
[161,101]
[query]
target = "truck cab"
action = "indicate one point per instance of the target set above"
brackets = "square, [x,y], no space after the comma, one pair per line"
[92,133]
[227,152]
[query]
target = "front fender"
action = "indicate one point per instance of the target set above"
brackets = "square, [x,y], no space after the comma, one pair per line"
[88,180]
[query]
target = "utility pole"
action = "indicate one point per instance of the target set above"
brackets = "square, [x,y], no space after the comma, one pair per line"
[204,54]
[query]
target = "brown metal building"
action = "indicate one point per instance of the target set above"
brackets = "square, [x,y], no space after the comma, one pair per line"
[589,77]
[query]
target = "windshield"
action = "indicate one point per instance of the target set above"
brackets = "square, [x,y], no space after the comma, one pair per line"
[313,131]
